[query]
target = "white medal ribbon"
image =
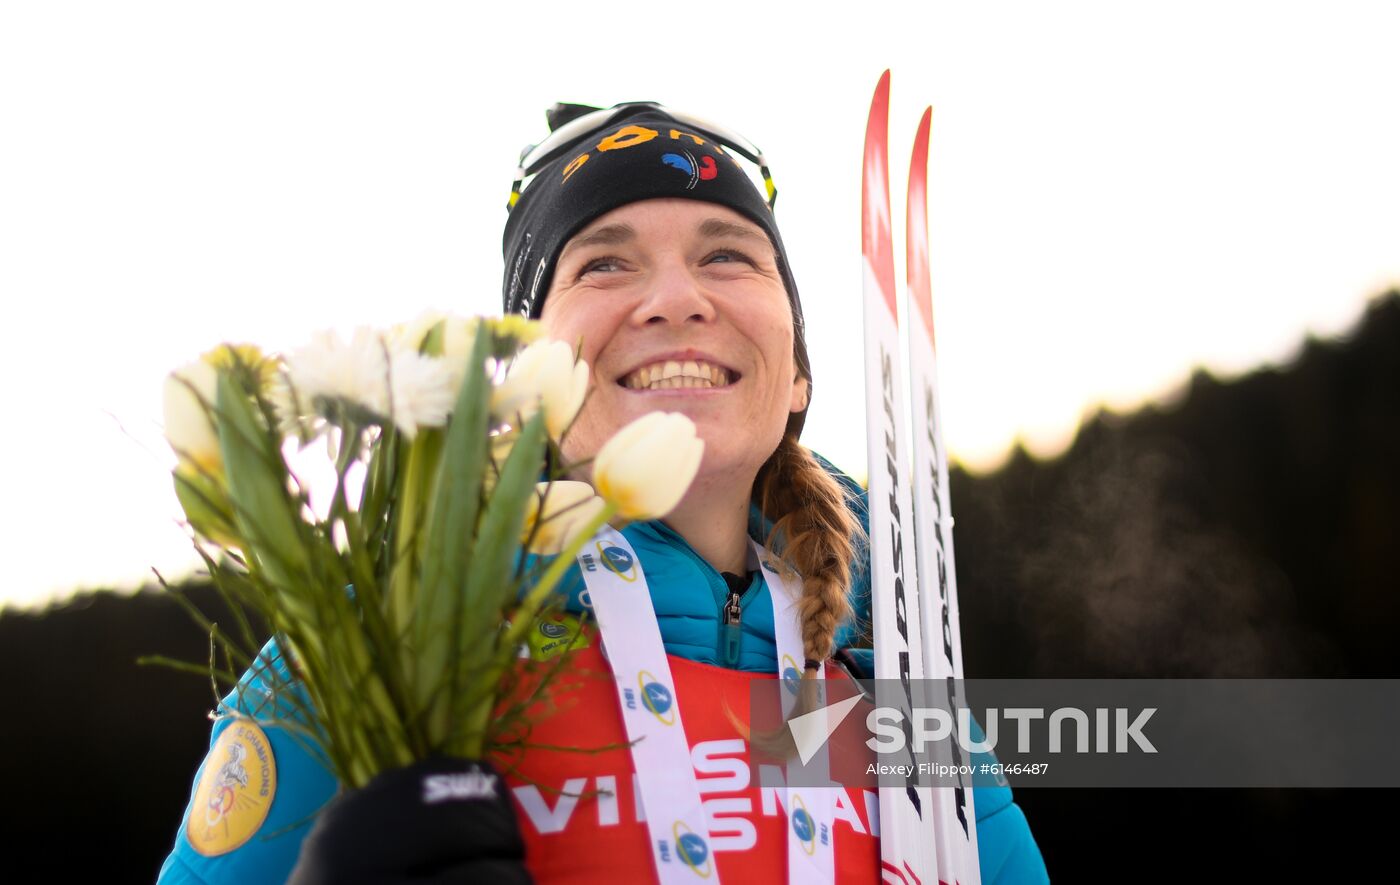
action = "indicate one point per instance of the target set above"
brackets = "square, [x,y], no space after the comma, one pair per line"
[675,817]
[810,810]
[617,590]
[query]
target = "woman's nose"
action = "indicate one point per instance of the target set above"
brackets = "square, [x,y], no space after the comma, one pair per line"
[675,295]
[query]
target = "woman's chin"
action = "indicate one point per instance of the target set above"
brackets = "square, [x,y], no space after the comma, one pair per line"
[733,453]
[706,407]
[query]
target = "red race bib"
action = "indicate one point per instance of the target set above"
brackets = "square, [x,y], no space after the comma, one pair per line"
[580,812]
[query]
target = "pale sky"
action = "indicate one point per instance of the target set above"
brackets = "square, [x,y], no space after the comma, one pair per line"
[1118,192]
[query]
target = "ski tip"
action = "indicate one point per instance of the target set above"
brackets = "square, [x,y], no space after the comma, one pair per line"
[918,167]
[916,226]
[879,109]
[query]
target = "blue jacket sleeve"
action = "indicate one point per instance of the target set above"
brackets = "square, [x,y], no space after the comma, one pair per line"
[211,846]
[1006,850]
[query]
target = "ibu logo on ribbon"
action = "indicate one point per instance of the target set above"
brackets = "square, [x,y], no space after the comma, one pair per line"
[803,825]
[617,561]
[657,698]
[692,850]
[792,676]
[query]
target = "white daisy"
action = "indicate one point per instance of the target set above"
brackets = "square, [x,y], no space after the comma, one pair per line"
[423,391]
[329,369]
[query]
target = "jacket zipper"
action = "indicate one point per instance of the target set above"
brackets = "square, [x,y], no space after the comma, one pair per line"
[733,614]
[731,611]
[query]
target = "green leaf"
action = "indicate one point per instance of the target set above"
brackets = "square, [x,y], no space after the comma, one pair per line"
[498,542]
[377,497]
[447,551]
[422,460]
[206,506]
[266,515]
[488,585]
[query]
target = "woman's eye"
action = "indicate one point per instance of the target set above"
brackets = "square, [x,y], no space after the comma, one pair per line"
[603,264]
[730,254]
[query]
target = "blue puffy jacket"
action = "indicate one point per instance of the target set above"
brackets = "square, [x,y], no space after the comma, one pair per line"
[688,595]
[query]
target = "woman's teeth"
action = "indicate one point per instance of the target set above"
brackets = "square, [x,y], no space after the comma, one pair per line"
[673,374]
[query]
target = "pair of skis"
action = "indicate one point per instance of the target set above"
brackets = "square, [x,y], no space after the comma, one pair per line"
[926,834]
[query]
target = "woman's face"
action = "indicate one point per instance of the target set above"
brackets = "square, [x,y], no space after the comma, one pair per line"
[679,307]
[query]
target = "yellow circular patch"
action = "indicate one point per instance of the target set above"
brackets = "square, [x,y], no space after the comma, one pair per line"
[235,791]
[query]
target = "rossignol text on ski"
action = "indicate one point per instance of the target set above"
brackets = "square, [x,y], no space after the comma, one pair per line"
[906,831]
[953,817]
[927,834]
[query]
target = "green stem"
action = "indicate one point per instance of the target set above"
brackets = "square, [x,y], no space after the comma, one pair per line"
[403,577]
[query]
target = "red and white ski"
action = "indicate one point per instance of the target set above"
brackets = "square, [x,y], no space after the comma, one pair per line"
[907,842]
[953,817]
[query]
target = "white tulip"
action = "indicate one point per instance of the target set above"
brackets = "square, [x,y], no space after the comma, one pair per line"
[562,401]
[645,469]
[188,422]
[568,509]
[543,374]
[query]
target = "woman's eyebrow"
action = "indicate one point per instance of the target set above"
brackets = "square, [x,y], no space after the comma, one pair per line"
[607,235]
[718,227]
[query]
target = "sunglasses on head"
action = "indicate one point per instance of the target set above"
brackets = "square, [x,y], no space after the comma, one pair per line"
[565,138]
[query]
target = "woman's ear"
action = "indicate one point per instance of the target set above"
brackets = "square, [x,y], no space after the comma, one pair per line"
[801,393]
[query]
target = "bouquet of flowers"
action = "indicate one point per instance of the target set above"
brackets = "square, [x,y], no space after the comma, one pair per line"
[403,605]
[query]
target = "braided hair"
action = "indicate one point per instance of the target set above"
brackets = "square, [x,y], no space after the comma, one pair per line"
[815,536]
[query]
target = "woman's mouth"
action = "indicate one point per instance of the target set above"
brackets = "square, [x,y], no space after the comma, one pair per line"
[677,374]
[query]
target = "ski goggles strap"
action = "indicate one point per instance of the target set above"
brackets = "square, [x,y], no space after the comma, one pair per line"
[536,156]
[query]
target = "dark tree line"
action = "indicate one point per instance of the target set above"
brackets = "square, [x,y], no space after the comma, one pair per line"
[1248,531]
[1252,529]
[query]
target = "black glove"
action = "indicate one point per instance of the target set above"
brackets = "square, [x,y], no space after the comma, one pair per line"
[443,821]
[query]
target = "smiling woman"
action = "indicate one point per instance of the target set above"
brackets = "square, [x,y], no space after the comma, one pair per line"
[679,306]
[641,241]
